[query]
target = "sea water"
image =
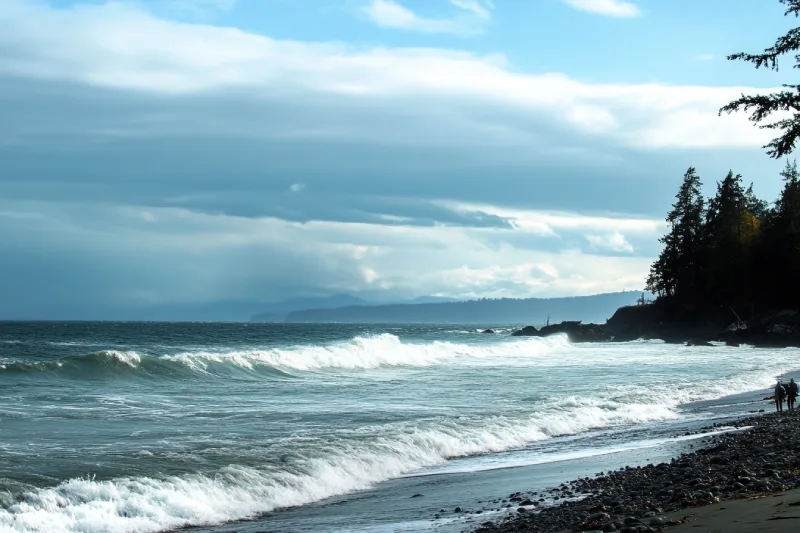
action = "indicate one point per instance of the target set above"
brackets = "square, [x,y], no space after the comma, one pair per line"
[145,427]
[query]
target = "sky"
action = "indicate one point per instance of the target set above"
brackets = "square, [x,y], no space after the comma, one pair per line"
[181,152]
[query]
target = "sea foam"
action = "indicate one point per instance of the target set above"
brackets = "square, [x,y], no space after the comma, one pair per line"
[369,352]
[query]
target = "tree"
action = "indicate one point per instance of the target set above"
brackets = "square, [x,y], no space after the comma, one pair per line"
[763,106]
[787,207]
[726,212]
[675,272]
[730,230]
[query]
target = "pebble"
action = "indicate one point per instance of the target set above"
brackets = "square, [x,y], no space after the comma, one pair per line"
[761,460]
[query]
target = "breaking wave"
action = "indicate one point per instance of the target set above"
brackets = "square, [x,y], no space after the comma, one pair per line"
[384,350]
[348,461]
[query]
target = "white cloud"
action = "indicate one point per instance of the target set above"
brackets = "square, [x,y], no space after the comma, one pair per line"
[549,223]
[705,57]
[611,8]
[297,187]
[449,96]
[229,253]
[614,242]
[391,14]
[481,8]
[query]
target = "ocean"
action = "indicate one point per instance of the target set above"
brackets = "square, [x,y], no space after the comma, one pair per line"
[146,427]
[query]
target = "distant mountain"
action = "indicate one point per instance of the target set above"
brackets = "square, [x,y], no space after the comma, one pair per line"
[431,300]
[277,311]
[534,311]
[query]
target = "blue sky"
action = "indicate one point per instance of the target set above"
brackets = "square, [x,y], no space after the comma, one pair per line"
[177,152]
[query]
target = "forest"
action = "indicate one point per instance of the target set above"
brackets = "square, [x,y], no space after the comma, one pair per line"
[732,250]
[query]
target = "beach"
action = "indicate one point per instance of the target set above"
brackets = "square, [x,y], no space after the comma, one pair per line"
[739,481]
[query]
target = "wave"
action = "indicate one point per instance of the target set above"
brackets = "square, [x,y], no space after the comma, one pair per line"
[341,465]
[368,352]
[371,352]
[346,461]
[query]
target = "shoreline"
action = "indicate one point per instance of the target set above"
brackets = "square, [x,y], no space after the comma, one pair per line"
[428,501]
[761,459]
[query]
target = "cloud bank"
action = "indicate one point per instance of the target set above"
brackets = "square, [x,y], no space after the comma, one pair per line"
[206,162]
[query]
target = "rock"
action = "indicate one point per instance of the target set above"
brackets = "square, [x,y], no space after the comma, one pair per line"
[527,331]
[760,460]
[490,331]
[417,496]
[457,510]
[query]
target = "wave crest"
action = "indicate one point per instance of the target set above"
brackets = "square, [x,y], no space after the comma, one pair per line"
[370,352]
[367,352]
[236,492]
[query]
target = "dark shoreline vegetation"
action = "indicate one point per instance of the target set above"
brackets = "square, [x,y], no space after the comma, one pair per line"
[729,271]
[758,461]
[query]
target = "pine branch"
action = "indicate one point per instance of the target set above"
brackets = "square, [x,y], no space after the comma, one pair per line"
[785,44]
[762,106]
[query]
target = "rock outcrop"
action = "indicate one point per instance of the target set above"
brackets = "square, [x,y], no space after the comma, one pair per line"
[575,330]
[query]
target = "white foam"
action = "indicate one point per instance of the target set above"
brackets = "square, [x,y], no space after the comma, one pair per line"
[142,505]
[349,462]
[129,358]
[360,458]
[494,462]
[371,352]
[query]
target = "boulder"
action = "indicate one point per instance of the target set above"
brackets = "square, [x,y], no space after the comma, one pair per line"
[575,330]
[527,331]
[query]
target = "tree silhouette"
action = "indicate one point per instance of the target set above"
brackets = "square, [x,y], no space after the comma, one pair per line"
[675,272]
[762,106]
[734,250]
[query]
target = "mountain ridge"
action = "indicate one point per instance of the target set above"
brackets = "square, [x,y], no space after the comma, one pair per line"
[592,308]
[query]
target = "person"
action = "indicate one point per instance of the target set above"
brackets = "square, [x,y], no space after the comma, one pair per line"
[779,394]
[791,393]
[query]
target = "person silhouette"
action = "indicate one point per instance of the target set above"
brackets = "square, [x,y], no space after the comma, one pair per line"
[791,393]
[780,392]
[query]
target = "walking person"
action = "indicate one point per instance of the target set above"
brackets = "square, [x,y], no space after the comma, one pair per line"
[791,393]
[780,392]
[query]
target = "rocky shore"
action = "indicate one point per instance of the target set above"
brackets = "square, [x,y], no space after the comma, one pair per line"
[575,330]
[760,460]
[697,327]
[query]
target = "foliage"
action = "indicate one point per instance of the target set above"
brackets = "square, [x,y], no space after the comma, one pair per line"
[788,100]
[732,249]
[674,271]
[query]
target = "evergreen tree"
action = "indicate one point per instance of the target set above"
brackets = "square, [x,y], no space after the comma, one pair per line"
[763,106]
[727,218]
[787,207]
[676,272]
[780,265]
[730,229]
[737,252]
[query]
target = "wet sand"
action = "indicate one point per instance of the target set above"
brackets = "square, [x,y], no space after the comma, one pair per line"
[775,513]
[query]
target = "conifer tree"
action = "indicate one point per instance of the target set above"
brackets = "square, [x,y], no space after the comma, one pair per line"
[675,273]
[788,100]
[725,216]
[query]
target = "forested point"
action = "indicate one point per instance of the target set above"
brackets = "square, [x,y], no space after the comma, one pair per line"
[733,250]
